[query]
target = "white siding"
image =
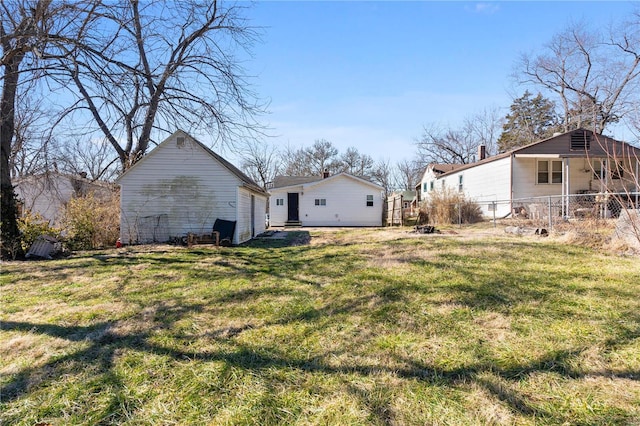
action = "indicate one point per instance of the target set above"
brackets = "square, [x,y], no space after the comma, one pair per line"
[346,203]
[483,184]
[244,226]
[278,214]
[184,183]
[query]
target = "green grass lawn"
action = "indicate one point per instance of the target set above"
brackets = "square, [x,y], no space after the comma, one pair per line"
[359,327]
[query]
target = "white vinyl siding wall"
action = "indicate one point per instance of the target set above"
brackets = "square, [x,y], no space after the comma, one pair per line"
[278,213]
[483,184]
[346,203]
[243,225]
[185,183]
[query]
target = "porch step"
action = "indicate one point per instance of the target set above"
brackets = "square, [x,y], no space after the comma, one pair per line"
[293,224]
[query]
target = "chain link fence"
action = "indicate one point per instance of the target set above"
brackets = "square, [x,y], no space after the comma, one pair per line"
[549,212]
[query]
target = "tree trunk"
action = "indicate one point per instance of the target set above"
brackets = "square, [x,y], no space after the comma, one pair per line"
[9,232]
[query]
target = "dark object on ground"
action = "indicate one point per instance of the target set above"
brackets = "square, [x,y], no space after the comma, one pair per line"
[225,230]
[221,234]
[425,229]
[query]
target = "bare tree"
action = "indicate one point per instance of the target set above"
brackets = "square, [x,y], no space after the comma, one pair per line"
[459,145]
[313,160]
[485,127]
[382,174]
[261,161]
[447,146]
[146,68]
[93,159]
[355,163]
[408,174]
[595,76]
[30,146]
[26,30]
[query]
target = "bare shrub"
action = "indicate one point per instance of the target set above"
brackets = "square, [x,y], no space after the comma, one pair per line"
[448,207]
[92,222]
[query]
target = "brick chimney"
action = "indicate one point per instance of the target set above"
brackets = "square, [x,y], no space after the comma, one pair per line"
[482,152]
[325,174]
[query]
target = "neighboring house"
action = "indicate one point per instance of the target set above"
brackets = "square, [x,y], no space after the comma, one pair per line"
[47,194]
[429,177]
[576,162]
[338,200]
[182,187]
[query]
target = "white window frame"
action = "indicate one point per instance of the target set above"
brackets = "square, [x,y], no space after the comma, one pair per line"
[370,200]
[279,201]
[320,202]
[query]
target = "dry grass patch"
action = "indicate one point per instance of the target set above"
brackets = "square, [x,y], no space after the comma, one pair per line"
[359,327]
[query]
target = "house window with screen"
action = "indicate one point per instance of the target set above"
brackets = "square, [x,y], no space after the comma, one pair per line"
[460,186]
[549,171]
[431,185]
[321,202]
[369,200]
[279,201]
[424,187]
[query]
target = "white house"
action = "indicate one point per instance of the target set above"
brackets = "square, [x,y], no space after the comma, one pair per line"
[429,177]
[576,162]
[182,187]
[48,193]
[338,200]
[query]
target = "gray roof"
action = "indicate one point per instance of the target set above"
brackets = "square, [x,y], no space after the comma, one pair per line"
[282,181]
[285,181]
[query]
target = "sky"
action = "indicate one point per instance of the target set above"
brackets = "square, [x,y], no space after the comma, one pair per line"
[372,74]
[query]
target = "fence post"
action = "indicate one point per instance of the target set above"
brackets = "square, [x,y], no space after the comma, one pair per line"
[459,215]
[494,213]
[549,214]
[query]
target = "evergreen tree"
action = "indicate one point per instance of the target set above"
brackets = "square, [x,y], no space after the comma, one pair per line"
[530,120]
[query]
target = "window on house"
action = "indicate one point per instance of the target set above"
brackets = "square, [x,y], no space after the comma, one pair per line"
[424,187]
[549,171]
[279,201]
[460,186]
[369,200]
[321,202]
[431,185]
[405,205]
[442,184]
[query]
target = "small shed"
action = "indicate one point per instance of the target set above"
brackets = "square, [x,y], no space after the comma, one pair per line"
[181,187]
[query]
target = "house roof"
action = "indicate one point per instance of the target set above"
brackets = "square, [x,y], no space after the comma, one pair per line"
[284,181]
[444,168]
[288,181]
[247,182]
[549,146]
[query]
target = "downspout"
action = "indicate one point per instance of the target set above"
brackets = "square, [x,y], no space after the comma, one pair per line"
[566,186]
[511,158]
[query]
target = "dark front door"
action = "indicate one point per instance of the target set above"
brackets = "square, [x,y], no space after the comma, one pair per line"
[292,206]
